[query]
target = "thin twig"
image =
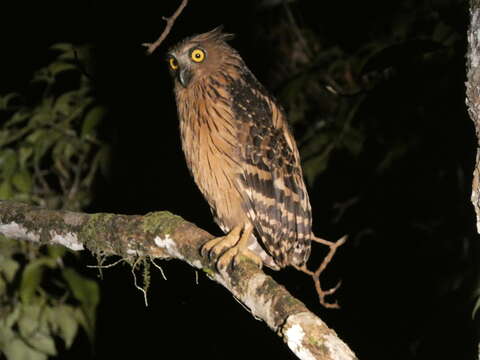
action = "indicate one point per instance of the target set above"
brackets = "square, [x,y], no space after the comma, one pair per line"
[151,47]
[135,281]
[41,178]
[322,294]
[77,170]
[158,267]
[106,266]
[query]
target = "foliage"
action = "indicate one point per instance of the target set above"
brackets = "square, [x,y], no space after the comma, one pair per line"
[50,153]
[41,300]
[49,147]
[326,87]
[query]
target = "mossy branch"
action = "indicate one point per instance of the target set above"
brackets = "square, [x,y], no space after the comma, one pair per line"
[163,235]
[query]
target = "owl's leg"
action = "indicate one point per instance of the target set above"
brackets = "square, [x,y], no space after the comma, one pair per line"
[234,244]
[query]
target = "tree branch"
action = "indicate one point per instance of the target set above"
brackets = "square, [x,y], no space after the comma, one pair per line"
[315,275]
[163,235]
[151,47]
[473,96]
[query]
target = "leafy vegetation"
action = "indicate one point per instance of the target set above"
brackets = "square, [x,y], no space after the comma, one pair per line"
[49,146]
[50,153]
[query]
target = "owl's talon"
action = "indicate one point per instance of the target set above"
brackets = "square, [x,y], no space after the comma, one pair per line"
[232,257]
[228,248]
[208,249]
[216,247]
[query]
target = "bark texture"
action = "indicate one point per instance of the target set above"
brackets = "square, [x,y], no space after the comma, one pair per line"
[473,95]
[163,235]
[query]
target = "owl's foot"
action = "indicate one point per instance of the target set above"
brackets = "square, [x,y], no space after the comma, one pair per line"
[219,245]
[234,255]
[230,247]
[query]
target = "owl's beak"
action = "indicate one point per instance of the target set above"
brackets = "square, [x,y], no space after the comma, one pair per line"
[184,76]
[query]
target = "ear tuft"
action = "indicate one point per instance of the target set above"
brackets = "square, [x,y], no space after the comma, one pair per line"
[217,34]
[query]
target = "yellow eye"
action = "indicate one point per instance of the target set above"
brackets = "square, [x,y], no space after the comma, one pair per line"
[197,55]
[173,63]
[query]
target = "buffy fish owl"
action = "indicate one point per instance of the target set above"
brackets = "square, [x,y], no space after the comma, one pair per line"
[241,154]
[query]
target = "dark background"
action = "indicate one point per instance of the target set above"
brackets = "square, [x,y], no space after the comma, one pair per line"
[409,270]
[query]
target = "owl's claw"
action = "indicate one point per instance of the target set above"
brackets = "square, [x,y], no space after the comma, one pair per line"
[213,248]
[219,245]
[234,255]
[229,248]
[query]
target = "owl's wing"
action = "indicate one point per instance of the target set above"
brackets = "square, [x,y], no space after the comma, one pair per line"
[276,199]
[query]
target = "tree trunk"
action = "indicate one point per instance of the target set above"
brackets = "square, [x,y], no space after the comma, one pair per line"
[473,95]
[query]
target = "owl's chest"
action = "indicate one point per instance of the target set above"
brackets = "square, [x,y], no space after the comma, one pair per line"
[212,153]
[210,141]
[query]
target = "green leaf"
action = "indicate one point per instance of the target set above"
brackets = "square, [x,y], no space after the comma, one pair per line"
[86,291]
[17,349]
[10,318]
[23,181]
[56,251]
[64,322]
[83,322]
[92,119]
[62,47]
[29,319]
[316,146]
[313,168]
[4,136]
[34,137]
[58,67]
[43,342]
[8,267]
[8,162]
[66,102]
[6,333]
[42,75]
[3,287]
[70,150]
[4,100]
[44,143]
[24,154]
[18,117]
[6,190]
[64,150]
[65,49]
[32,276]
[33,325]
[41,117]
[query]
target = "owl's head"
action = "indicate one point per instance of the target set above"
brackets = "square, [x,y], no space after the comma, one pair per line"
[198,56]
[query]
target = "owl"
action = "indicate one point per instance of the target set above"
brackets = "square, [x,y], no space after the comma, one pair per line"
[241,154]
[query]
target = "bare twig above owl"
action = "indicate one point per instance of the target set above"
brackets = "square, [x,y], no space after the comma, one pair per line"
[151,47]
